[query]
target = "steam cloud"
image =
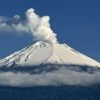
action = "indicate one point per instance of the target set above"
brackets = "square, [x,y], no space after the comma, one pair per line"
[38,26]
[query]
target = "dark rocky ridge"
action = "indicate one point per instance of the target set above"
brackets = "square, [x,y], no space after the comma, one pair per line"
[50,67]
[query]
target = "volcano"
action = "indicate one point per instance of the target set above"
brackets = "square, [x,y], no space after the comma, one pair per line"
[46,53]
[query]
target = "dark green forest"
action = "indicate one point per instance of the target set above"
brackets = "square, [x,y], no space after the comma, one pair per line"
[51,93]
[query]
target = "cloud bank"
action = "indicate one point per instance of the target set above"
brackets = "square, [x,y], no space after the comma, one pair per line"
[12,25]
[38,26]
[59,77]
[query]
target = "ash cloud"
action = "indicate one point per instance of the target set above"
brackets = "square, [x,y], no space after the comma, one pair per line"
[38,26]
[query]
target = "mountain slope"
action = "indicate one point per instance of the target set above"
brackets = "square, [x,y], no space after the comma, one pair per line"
[63,54]
[29,56]
[46,53]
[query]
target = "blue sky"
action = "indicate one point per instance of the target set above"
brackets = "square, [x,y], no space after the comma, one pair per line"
[76,23]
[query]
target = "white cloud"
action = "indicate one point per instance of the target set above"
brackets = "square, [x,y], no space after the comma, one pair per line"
[4,27]
[16,16]
[2,19]
[56,78]
[20,28]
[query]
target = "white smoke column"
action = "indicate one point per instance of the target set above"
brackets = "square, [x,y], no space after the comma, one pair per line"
[40,27]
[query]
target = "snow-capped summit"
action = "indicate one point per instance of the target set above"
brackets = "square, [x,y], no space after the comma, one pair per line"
[46,53]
